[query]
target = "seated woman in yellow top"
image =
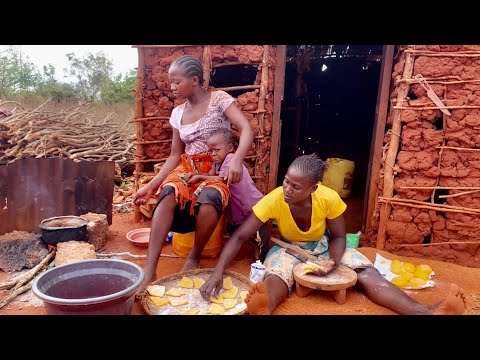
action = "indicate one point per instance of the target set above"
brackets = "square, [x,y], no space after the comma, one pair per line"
[303,209]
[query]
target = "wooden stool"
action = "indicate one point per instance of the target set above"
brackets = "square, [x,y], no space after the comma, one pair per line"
[337,282]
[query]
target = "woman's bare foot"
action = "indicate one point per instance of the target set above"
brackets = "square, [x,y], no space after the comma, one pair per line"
[191,264]
[257,299]
[453,304]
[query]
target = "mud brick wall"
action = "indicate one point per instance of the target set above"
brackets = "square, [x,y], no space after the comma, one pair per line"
[420,163]
[158,101]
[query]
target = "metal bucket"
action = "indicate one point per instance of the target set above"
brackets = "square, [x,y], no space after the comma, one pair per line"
[90,287]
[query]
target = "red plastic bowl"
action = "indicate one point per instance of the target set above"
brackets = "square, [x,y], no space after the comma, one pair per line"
[139,237]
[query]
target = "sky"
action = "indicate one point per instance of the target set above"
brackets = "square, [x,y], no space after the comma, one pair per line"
[123,57]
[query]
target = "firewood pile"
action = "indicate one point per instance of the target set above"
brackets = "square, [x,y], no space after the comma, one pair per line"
[4,145]
[71,133]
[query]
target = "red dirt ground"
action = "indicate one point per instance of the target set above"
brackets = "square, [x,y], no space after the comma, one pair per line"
[317,302]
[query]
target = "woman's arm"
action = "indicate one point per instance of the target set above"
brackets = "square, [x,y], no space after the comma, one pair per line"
[178,147]
[240,122]
[338,241]
[242,234]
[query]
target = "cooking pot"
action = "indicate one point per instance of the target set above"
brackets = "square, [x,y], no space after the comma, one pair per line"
[63,228]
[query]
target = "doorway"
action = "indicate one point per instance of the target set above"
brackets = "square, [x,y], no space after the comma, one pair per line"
[328,108]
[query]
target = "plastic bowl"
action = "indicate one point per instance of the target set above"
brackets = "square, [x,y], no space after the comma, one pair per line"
[139,237]
[89,287]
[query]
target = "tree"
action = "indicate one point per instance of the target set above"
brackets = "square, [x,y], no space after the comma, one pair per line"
[49,75]
[92,73]
[118,89]
[17,73]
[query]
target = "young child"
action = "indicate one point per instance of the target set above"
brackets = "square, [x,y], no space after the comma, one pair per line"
[244,194]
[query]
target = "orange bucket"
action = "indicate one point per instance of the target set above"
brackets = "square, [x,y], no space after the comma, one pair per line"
[183,243]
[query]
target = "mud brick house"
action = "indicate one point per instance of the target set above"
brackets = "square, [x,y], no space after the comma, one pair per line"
[409,116]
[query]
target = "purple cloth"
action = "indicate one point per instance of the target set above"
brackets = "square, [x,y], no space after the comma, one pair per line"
[5,112]
[244,194]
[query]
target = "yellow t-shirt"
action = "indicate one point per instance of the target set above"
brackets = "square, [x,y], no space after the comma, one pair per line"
[326,204]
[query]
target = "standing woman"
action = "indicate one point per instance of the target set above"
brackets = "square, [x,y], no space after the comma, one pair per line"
[180,207]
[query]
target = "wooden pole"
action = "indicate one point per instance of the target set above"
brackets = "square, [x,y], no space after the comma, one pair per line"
[457,148]
[429,206]
[138,111]
[441,187]
[392,153]
[207,65]
[214,66]
[458,194]
[376,148]
[263,90]
[240,87]
[421,108]
[261,112]
[443,54]
[146,142]
[280,61]
[441,243]
[150,118]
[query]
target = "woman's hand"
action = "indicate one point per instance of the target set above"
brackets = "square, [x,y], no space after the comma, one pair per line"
[234,172]
[323,269]
[213,284]
[329,266]
[142,195]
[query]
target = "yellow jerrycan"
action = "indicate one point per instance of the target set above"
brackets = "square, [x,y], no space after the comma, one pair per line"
[339,176]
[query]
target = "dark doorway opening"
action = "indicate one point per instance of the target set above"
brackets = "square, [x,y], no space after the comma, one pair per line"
[329,108]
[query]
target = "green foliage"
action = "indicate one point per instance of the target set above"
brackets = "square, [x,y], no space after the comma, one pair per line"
[50,87]
[93,74]
[57,91]
[119,89]
[17,73]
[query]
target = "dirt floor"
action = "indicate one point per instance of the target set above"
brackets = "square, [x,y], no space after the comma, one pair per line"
[317,302]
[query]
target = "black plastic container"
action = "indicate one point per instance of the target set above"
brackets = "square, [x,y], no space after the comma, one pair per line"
[89,287]
[63,228]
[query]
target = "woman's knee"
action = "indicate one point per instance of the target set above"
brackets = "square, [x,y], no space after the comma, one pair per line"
[212,197]
[166,201]
[207,211]
[367,275]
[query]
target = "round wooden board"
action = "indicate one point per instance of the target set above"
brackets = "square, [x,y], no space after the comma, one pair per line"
[342,278]
[195,299]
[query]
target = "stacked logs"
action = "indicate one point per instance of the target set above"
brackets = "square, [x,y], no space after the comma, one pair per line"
[4,144]
[71,133]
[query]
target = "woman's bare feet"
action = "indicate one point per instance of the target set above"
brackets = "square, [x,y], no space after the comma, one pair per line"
[191,264]
[257,299]
[453,304]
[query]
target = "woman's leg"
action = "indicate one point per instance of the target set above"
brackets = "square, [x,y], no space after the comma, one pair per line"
[209,212]
[265,296]
[161,222]
[384,293]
